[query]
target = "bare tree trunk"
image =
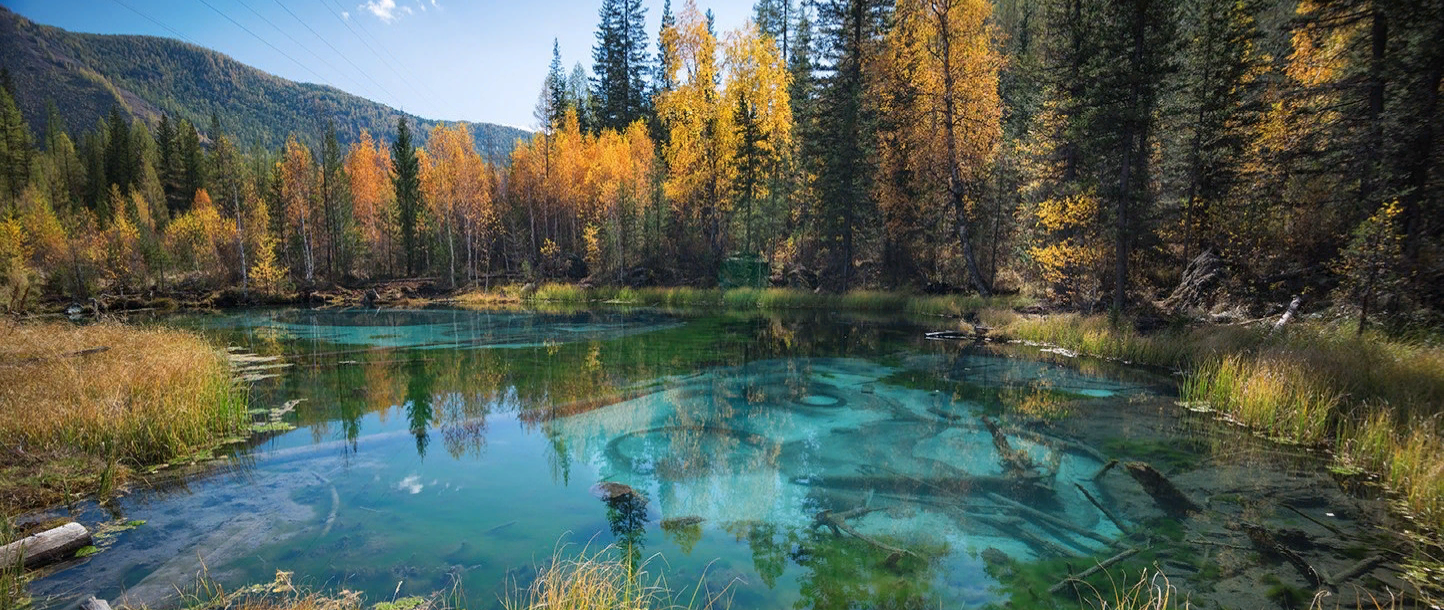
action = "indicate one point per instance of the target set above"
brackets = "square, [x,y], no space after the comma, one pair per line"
[240,237]
[956,186]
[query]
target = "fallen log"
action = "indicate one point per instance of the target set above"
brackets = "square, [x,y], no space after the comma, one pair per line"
[1105,564]
[1288,314]
[335,508]
[1168,497]
[47,547]
[1103,509]
[1042,516]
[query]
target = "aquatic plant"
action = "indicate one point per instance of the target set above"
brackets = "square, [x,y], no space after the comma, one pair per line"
[94,400]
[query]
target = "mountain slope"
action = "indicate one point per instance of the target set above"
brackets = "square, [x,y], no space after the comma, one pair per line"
[86,74]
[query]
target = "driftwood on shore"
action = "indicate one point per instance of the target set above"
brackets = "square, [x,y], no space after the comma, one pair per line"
[47,547]
[1168,497]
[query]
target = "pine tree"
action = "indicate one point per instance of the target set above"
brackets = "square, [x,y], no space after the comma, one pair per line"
[581,99]
[406,178]
[1133,59]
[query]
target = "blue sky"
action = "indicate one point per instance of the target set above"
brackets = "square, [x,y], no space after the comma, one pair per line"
[475,60]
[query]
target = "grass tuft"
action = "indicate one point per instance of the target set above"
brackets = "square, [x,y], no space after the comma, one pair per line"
[607,580]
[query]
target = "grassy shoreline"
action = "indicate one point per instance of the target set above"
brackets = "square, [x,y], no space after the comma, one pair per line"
[767,299]
[81,406]
[1374,400]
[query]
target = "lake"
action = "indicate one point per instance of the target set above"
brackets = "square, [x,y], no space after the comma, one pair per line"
[807,460]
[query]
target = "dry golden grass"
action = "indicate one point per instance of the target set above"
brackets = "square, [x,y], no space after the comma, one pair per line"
[606,580]
[72,397]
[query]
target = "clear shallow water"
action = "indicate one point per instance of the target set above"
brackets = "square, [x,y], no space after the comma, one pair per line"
[427,458]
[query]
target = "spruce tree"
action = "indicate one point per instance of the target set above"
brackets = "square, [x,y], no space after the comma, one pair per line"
[14,145]
[335,204]
[620,64]
[845,130]
[192,166]
[406,178]
[119,159]
[555,92]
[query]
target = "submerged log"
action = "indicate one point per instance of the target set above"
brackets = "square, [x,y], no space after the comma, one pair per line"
[1015,462]
[1103,509]
[1356,570]
[1013,526]
[837,522]
[1268,544]
[1105,564]
[1168,497]
[1047,518]
[47,547]
[1104,470]
[949,486]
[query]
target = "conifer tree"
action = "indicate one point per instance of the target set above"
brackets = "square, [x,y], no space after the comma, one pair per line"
[620,64]
[406,179]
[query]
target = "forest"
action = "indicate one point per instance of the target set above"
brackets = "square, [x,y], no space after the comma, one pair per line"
[1088,152]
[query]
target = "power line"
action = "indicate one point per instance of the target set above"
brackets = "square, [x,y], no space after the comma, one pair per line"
[152,20]
[292,39]
[388,52]
[363,42]
[319,78]
[364,73]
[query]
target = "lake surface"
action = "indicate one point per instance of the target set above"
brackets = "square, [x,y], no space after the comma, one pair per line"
[461,450]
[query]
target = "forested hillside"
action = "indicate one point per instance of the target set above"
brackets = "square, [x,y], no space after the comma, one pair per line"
[85,74]
[1089,152]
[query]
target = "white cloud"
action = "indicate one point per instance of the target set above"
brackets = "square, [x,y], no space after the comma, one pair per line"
[411,484]
[385,10]
[421,5]
[408,10]
[433,3]
[345,15]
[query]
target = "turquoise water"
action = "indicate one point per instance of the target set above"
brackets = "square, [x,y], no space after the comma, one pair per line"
[447,450]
